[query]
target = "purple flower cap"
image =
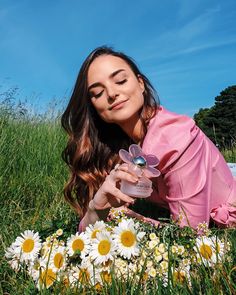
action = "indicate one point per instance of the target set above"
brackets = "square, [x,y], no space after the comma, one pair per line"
[139,162]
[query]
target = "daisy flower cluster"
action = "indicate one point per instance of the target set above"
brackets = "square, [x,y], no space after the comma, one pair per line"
[123,248]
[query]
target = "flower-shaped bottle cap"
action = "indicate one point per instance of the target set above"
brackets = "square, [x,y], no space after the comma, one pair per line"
[142,163]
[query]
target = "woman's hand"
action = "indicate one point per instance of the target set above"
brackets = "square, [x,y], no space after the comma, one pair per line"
[130,213]
[109,194]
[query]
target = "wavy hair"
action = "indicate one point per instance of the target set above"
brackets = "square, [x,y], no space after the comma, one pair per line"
[92,148]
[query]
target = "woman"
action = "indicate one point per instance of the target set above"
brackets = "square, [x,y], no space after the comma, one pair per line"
[112,106]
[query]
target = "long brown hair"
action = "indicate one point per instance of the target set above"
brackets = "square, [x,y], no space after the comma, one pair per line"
[93,145]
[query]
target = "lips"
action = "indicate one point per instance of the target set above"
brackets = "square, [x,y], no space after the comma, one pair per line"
[116,104]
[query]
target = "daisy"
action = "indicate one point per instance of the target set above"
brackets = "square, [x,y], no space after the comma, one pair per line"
[27,246]
[47,278]
[79,242]
[152,244]
[165,256]
[157,255]
[206,250]
[220,247]
[43,275]
[106,277]
[34,269]
[48,246]
[58,259]
[180,250]
[152,236]
[179,276]
[127,238]
[95,228]
[59,232]
[174,249]
[162,248]
[13,258]
[84,274]
[80,275]
[164,266]
[152,272]
[102,248]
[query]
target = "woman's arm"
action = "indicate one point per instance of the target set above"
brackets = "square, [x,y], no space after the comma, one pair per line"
[108,195]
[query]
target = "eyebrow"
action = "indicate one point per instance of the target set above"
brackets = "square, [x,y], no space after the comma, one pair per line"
[112,75]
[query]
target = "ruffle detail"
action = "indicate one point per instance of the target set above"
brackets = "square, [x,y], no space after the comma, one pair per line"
[224,215]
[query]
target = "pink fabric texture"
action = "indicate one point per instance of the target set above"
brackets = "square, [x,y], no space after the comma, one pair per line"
[196,183]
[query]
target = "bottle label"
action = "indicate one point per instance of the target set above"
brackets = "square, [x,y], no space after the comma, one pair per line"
[141,189]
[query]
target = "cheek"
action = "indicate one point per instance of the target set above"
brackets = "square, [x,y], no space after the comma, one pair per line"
[137,91]
[97,104]
[139,96]
[101,109]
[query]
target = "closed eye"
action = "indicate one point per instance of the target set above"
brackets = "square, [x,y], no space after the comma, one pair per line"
[121,82]
[96,95]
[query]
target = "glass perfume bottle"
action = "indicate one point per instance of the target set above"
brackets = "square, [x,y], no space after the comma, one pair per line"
[141,165]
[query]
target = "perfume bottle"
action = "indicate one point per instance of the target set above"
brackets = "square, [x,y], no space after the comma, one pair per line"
[141,165]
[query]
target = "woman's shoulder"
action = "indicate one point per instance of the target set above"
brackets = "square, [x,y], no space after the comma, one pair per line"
[169,134]
[167,123]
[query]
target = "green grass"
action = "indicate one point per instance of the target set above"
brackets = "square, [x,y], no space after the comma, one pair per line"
[230,155]
[32,176]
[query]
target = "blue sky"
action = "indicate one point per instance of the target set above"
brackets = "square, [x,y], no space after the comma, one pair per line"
[186,48]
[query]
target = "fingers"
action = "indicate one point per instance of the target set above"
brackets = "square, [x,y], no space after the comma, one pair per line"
[123,166]
[114,191]
[151,221]
[117,174]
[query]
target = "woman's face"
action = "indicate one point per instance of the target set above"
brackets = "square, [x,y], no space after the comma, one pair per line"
[115,92]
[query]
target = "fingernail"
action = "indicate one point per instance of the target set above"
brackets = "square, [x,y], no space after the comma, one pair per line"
[135,179]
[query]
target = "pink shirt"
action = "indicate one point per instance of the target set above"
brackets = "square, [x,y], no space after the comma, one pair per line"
[196,182]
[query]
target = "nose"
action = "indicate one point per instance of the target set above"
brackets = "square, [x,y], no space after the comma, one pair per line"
[112,93]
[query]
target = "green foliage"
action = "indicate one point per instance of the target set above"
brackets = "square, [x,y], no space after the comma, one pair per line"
[219,122]
[32,176]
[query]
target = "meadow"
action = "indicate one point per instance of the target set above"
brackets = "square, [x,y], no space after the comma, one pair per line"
[32,176]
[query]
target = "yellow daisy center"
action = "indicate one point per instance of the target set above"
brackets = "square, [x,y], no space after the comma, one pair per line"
[106,276]
[28,245]
[66,282]
[128,239]
[84,275]
[58,260]
[104,247]
[179,277]
[206,251]
[47,277]
[78,244]
[94,233]
[98,287]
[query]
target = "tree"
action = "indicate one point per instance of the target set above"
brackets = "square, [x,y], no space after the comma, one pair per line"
[219,121]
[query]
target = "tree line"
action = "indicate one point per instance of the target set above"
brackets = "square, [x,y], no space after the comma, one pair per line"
[219,121]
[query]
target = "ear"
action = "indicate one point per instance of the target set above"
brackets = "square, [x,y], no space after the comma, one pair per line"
[141,82]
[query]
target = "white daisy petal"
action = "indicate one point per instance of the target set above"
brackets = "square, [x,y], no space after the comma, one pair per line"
[102,248]
[79,242]
[95,228]
[126,238]
[58,259]
[27,246]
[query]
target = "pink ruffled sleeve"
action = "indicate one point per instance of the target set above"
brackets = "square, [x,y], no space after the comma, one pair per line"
[224,215]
